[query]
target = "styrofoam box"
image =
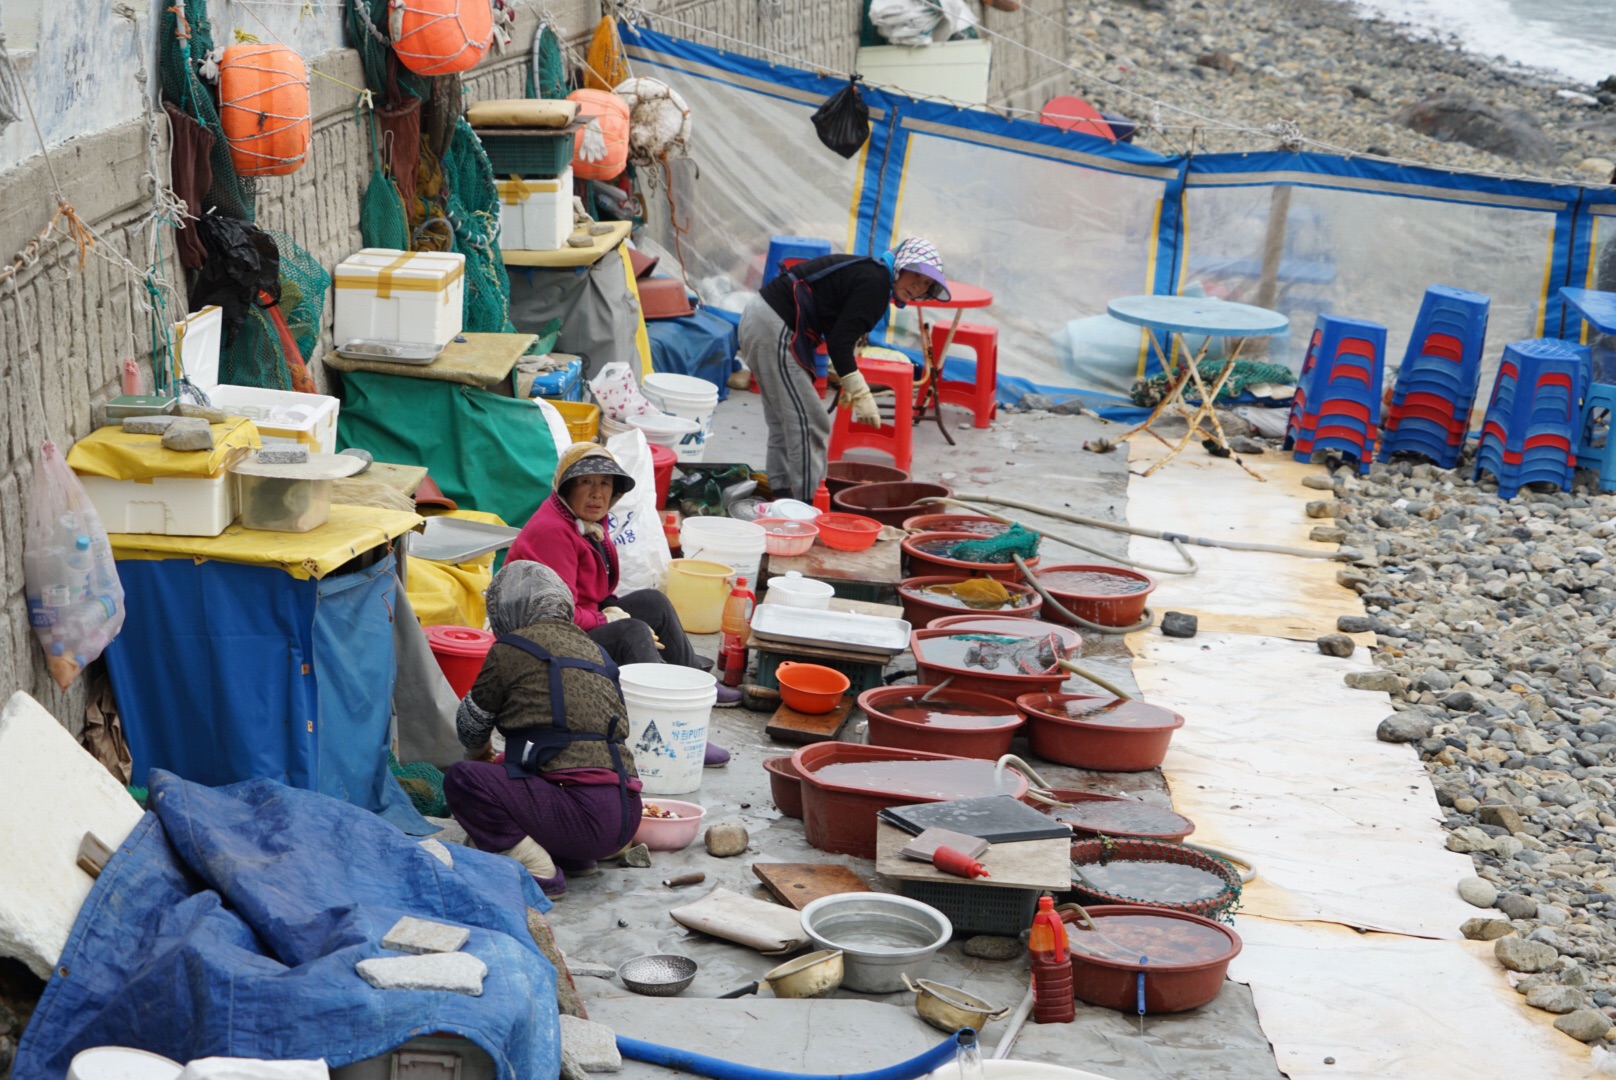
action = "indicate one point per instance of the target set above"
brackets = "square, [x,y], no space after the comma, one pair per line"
[166,505]
[957,70]
[281,416]
[535,215]
[387,295]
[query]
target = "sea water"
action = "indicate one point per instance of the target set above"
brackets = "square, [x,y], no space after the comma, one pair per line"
[1573,38]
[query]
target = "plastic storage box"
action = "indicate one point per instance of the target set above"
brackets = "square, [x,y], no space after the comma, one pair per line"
[282,416]
[525,152]
[975,908]
[290,498]
[387,295]
[535,214]
[138,487]
[564,384]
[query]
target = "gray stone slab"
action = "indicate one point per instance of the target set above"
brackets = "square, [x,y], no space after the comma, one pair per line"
[590,968]
[456,973]
[188,433]
[203,412]
[412,935]
[592,1045]
[147,425]
[283,455]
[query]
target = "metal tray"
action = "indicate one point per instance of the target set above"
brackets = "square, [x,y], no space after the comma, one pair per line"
[390,352]
[833,629]
[456,540]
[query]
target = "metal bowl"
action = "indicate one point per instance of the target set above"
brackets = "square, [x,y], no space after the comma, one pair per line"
[660,975]
[882,937]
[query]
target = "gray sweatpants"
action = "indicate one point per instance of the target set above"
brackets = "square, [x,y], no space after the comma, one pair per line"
[799,425]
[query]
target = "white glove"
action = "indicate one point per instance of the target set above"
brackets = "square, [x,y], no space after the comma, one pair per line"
[856,395]
[593,145]
[613,614]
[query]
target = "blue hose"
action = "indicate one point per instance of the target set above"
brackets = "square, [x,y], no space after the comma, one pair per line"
[719,1069]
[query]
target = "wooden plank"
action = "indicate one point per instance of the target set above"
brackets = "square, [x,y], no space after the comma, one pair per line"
[404,478]
[483,360]
[789,725]
[799,884]
[793,651]
[880,565]
[570,256]
[1025,864]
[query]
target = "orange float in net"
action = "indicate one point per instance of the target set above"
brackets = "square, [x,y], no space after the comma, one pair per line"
[264,109]
[440,37]
[611,114]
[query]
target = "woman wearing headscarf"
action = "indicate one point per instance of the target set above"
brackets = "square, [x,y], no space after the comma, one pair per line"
[568,534]
[567,791]
[834,300]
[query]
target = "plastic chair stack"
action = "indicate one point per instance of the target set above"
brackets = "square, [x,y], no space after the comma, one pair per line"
[1337,402]
[1591,454]
[1534,417]
[1436,386]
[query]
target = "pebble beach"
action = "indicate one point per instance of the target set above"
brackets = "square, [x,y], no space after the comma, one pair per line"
[1213,75]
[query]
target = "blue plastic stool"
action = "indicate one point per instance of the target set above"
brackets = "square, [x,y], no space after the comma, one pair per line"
[1540,399]
[1589,456]
[795,248]
[1348,364]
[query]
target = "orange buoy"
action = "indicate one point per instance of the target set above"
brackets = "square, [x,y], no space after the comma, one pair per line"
[610,113]
[440,37]
[264,109]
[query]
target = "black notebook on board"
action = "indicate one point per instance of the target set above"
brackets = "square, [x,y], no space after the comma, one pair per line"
[998,819]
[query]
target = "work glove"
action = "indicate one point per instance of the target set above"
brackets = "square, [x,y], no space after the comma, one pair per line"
[856,396]
[613,614]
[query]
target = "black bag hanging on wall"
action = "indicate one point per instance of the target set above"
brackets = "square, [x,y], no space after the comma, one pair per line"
[843,122]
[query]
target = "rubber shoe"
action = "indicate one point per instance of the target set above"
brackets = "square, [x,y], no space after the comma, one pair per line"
[728,697]
[578,869]
[715,757]
[554,887]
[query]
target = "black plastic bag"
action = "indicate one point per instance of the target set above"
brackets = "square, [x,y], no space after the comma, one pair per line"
[843,122]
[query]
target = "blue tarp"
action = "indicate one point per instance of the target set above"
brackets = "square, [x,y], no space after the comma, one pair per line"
[226,673]
[230,921]
[701,345]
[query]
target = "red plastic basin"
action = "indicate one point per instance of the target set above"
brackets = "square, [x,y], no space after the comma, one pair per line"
[924,563]
[1135,745]
[890,503]
[841,475]
[785,785]
[990,742]
[973,680]
[920,607]
[971,523]
[663,460]
[1162,824]
[1107,609]
[1169,987]
[840,817]
[460,652]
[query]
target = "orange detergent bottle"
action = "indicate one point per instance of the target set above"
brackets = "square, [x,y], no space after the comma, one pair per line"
[1052,997]
[736,622]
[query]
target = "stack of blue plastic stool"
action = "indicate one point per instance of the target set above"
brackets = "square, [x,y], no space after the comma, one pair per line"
[1436,386]
[787,251]
[1340,391]
[1592,455]
[1534,417]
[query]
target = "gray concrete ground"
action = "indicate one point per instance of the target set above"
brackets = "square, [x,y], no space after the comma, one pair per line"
[621,913]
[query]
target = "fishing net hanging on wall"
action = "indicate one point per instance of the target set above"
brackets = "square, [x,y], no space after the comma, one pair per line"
[185,39]
[383,222]
[472,205]
[547,71]
[280,330]
[367,28]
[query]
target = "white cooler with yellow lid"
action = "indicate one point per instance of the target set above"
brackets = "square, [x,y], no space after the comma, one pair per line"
[535,215]
[387,295]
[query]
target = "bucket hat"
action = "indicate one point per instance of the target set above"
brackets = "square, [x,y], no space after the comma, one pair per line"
[922,257]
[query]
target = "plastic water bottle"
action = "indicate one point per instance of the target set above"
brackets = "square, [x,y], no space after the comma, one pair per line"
[736,622]
[1053,1001]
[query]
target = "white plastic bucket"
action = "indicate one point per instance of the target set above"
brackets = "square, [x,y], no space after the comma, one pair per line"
[681,435]
[724,540]
[668,710]
[684,395]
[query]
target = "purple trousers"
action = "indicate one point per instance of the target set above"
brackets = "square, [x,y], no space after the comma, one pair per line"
[575,822]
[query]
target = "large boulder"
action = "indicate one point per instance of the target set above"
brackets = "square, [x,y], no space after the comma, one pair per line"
[1455,117]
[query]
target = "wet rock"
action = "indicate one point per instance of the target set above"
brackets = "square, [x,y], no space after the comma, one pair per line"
[1324,508]
[989,947]
[638,857]
[1405,727]
[1518,954]
[1380,681]
[1336,645]
[726,839]
[1584,1025]
[1179,625]
[1558,999]
[1478,892]
[1479,929]
[1458,117]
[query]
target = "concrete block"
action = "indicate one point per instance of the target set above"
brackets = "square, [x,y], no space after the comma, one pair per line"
[438,852]
[455,973]
[283,455]
[55,793]
[418,936]
[203,412]
[594,970]
[592,1045]
[148,425]
[188,433]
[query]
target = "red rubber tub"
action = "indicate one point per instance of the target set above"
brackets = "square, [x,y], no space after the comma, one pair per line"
[1188,958]
[961,724]
[1097,732]
[921,563]
[890,503]
[936,661]
[921,607]
[971,523]
[841,475]
[1083,590]
[785,785]
[844,785]
[1094,814]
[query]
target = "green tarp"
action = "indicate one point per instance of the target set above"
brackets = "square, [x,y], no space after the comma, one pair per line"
[484,451]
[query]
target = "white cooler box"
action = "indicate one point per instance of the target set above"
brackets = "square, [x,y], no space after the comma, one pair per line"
[412,296]
[166,506]
[282,416]
[535,215]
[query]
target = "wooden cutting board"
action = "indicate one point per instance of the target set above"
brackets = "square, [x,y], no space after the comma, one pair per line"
[789,725]
[799,884]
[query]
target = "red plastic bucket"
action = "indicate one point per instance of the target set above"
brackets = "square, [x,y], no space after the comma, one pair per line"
[662,462]
[460,652]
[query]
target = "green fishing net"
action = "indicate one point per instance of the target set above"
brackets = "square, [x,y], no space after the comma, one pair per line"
[547,73]
[423,783]
[256,357]
[1016,540]
[383,222]
[1148,393]
[473,213]
[1155,873]
[183,43]
[367,29]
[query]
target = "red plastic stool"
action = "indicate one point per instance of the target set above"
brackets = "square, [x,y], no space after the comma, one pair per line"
[895,439]
[981,397]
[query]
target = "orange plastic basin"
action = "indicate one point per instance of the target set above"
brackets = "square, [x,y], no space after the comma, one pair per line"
[810,688]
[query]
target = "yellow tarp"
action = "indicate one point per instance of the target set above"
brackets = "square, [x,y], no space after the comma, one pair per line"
[316,553]
[444,595]
[114,453]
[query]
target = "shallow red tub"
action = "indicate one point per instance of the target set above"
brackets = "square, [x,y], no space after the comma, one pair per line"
[934,668]
[839,803]
[1103,975]
[891,502]
[1098,732]
[785,785]
[1094,603]
[971,523]
[922,563]
[921,607]
[984,728]
[841,475]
